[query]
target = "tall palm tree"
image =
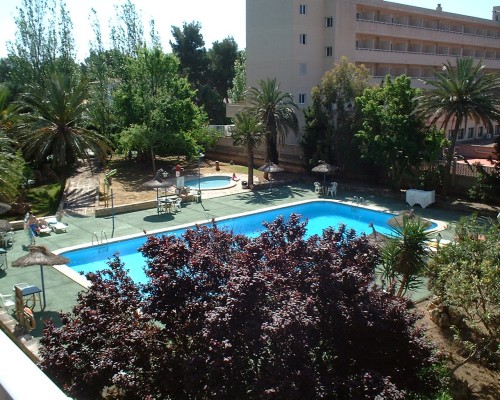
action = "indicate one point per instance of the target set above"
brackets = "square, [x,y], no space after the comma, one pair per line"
[276,112]
[460,93]
[247,132]
[55,123]
[10,162]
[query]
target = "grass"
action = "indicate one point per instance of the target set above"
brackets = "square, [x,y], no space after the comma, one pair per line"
[44,199]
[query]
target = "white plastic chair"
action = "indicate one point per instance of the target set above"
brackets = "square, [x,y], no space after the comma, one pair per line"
[7,301]
[177,205]
[317,188]
[332,189]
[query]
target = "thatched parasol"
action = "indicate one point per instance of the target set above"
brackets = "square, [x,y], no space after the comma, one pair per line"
[159,181]
[5,226]
[324,168]
[4,208]
[271,168]
[40,255]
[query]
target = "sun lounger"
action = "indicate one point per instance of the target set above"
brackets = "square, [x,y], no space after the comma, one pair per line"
[57,226]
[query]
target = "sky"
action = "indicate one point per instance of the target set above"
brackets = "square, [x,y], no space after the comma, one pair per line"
[219,19]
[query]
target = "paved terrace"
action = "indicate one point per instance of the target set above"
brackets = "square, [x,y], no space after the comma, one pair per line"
[61,291]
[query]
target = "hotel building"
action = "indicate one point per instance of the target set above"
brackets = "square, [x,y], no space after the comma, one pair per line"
[297,41]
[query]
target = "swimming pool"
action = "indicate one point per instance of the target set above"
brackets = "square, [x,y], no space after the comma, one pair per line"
[319,213]
[211,182]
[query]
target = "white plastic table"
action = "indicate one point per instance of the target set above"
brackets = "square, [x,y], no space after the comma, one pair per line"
[422,197]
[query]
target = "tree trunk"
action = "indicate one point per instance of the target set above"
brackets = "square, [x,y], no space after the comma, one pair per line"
[153,160]
[250,167]
[449,156]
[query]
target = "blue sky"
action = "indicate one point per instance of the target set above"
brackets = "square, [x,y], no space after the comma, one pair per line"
[219,18]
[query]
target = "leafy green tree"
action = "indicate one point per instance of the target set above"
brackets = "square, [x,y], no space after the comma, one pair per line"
[54,124]
[127,35]
[157,104]
[247,132]
[392,134]
[44,43]
[332,116]
[466,276]
[237,91]
[189,47]
[277,113]
[11,163]
[459,93]
[222,57]
[404,255]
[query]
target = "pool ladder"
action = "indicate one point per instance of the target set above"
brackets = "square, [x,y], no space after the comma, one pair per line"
[103,237]
[358,200]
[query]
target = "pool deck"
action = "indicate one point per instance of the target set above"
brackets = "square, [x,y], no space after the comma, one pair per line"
[61,291]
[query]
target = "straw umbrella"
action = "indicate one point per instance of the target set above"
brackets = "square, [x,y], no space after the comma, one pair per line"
[325,168]
[40,255]
[4,208]
[159,181]
[271,168]
[5,226]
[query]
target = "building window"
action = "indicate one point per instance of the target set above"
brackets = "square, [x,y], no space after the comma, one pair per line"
[470,134]
[329,22]
[302,98]
[329,51]
[497,130]
[303,38]
[302,68]
[450,133]
[303,9]
[461,133]
[480,131]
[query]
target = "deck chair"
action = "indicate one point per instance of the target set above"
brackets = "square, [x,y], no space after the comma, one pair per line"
[332,189]
[57,226]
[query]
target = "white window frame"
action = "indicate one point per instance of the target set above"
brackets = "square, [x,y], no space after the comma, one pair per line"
[302,98]
[303,38]
[329,22]
[303,9]
[329,51]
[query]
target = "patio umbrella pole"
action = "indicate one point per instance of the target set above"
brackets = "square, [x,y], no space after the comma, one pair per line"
[43,286]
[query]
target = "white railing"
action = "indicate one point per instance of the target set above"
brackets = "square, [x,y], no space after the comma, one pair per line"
[226,130]
[20,378]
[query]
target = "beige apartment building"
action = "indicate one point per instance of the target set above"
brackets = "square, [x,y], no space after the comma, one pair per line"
[296,41]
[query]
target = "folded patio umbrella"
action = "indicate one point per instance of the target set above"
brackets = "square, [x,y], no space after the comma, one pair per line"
[40,255]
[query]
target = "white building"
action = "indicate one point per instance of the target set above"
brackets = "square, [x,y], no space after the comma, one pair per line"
[297,41]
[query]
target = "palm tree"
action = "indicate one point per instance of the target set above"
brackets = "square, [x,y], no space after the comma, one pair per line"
[10,162]
[247,132]
[55,123]
[404,255]
[460,93]
[276,112]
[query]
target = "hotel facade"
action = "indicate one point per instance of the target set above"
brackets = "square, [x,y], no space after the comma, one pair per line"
[297,41]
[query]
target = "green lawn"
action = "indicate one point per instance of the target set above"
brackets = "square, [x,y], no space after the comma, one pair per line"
[44,199]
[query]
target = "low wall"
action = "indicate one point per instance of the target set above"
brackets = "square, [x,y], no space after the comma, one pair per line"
[108,211]
[475,151]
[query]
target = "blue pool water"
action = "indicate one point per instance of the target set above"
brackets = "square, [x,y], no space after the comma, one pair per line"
[210,182]
[320,215]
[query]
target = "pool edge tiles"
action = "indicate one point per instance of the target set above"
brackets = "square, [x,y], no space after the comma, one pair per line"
[224,222]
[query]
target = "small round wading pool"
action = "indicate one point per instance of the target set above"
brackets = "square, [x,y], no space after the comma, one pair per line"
[213,182]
